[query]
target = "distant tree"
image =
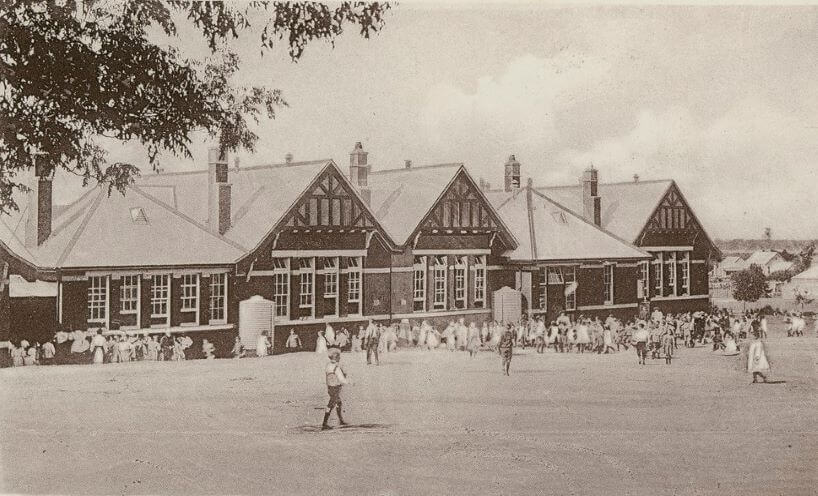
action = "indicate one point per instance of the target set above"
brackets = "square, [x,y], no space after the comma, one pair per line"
[72,71]
[781,275]
[750,284]
[787,256]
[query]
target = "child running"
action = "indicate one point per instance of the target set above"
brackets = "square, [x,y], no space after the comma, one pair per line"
[336,377]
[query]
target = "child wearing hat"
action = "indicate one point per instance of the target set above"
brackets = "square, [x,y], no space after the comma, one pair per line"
[336,377]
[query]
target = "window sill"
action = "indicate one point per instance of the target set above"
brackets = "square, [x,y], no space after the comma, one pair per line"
[128,312]
[188,310]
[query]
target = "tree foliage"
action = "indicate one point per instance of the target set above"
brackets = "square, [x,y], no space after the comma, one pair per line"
[71,72]
[749,284]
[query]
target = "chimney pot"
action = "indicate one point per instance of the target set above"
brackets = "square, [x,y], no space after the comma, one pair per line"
[358,167]
[512,174]
[407,164]
[636,178]
[288,158]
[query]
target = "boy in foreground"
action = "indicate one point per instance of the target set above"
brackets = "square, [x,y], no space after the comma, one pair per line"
[336,377]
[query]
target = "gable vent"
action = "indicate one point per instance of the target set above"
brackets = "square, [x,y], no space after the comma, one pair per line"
[138,216]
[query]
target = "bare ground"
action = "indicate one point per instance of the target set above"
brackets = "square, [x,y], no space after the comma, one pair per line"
[426,423]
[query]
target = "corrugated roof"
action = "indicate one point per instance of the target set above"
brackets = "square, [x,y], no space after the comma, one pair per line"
[811,273]
[261,195]
[780,265]
[400,198]
[761,258]
[558,233]
[626,207]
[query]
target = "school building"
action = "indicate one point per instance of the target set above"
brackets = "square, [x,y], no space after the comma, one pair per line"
[179,251]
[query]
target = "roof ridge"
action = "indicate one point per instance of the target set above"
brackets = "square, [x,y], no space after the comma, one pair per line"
[282,165]
[615,183]
[33,259]
[73,241]
[188,219]
[583,219]
[416,167]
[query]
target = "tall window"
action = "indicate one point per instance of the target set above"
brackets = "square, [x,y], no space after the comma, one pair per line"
[439,278]
[658,274]
[569,276]
[608,275]
[480,281]
[129,294]
[460,281]
[543,299]
[419,283]
[354,285]
[281,287]
[218,298]
[160,296]
[684,264]
[644,267]
[331,283]
[98,299]
[190,292]
[306,284]
[670,265]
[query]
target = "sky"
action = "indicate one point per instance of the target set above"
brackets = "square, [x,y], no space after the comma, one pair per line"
[723,100]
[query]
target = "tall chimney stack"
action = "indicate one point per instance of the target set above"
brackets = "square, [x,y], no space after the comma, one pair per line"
[359,171]
[38,220]
[591,201]
[218,192]
[407,164]
[512,174]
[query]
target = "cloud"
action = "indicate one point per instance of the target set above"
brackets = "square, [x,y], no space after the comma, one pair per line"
[511,113]
[743,170]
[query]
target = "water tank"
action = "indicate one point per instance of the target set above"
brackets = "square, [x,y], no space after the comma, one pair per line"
[255,317]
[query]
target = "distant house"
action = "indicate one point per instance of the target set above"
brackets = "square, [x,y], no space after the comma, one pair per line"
[765,259]
[729,266]
[780,266]
[805,283]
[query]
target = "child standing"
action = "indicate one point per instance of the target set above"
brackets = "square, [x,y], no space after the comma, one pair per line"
[336,377]
[668,342]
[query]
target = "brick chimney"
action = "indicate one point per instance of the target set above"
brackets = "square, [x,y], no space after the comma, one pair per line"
[218,192]
[591,201]
[359,171]
[512,174]
[40,203]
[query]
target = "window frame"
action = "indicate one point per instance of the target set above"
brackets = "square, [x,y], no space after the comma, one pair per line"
[130,293]
[659,269]
[217,280]
[480,283]
[568,280]
[306,284]
[281,279]
[670,263]
[190,294]
[331,272]
[419,277]
[98,298]
[355,283]
[440,274]
[608,270]
[461,282]
[685,265]
[644,274]
[158,300]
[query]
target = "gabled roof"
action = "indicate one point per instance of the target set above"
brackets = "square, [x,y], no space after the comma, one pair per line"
[626,206]
[809,274]
[99,230]
[761,258]
[548,231]
[732,263]
[261,195]
[401,198]
[780,265]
